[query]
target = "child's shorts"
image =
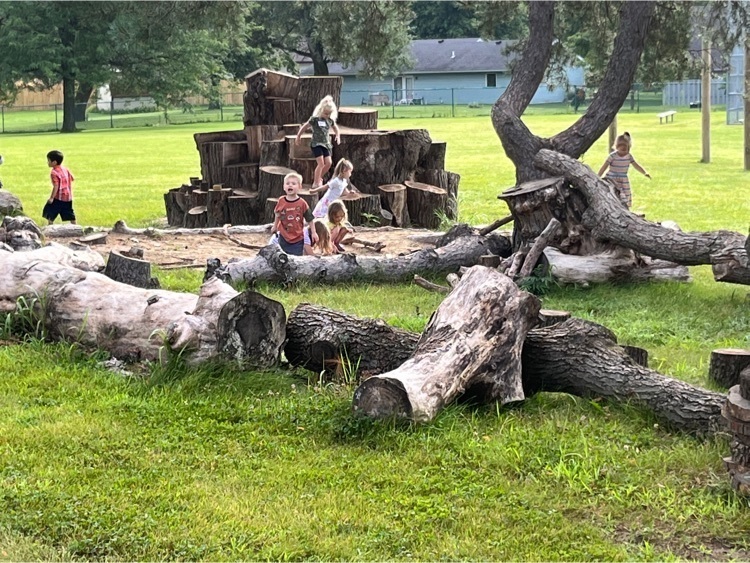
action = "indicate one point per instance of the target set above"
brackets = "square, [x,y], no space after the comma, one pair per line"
[320,150]
[294,249]
[62,208]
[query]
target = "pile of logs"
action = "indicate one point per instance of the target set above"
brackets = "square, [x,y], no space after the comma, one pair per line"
[400,175]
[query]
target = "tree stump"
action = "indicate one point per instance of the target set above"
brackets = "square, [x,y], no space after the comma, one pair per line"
[311,199]
[434,157]
[263,87]
[271,181]
[268,206]
[490,260]
[446,180]
[358,118]
[241,176]
[197,198]
[243,210]
[255,135]
[217,205]
[273,152]
[211,150]
[196,217]
[131,271]
[638,355]
[549,317]
[305,167]
[321,339]
[470,349]
[283,111]
[301,149]
[363,209]
[234,153]
[726,364]
[176,203]
[393,199]
[312,89]
[94,239]
[425,204]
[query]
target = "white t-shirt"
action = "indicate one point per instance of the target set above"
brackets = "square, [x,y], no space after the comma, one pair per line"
[336,187]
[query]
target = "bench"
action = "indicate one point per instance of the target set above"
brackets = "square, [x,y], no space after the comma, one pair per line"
[666,115]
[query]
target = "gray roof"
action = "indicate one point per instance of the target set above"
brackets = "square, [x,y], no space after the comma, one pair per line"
[450,55]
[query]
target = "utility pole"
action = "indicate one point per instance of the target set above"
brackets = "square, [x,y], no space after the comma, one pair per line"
[706,99]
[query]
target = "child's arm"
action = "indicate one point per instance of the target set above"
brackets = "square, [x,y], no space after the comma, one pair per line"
[335,129]
[305,127]
[55,188]
[640,169]
[322,188]
[309,218]
[604,167]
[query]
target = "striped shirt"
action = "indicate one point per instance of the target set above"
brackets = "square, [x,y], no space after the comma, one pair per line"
[62,181]
[618,165]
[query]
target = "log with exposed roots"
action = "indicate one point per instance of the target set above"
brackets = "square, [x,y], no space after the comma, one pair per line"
[135,324]
[470,349]
[272,264]
[608,220]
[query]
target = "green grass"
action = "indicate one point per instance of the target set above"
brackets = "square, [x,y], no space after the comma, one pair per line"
[218,464]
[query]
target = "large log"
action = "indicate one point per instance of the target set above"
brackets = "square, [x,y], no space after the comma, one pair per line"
[211,150]
[358,118]
[176,204]
[126,321]
[301,149]
[243,210]
[312,89]
[271,181]
[608,220]
[284,111]
[324,340]
[470,349]
[196,217]
[271,264]
[426,204]
[446,180]
[122,228]
[264,86]
[393,199]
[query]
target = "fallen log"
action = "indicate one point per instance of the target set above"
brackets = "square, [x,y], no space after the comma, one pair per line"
[121,228]
[141,324]
[81,258]
[272,264]
[609,221]
[429,286]
[470,349]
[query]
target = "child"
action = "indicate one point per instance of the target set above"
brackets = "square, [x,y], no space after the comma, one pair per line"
[322,120]
[60,201]
[324,246]
[618,163]
[291,211]
[338,224]
[338,185]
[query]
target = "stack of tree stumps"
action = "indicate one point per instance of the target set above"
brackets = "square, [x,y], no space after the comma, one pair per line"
[401,174]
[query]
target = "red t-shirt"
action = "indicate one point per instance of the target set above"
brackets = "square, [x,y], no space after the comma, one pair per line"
[62,179]
[291,216]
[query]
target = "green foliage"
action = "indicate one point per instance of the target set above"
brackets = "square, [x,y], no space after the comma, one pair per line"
[540,282]
[28,320]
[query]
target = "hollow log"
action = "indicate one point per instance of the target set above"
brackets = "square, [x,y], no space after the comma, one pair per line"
[608,220]
[358,118]
[305,167]
[196,217]
[273,152]
[98,312]
[217,207]
[243,210]
[726,365]
[271,264]
[470,349]
[362,209]
[255,135]
[393,199]
[129,270]
[312,89]
[271,181]
[324,340]
[262,87]
[425,203]
[434,157]
[446,180]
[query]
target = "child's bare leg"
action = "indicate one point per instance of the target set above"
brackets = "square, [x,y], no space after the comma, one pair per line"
[320,169]
[326,167]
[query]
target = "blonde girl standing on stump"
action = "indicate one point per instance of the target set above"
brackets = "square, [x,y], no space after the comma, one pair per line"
[322,122]
[618,163]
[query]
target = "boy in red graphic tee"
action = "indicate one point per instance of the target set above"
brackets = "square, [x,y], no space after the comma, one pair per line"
[60,201]
[291,213]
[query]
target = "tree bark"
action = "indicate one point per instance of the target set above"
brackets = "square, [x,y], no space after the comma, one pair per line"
[393,199]
[425,203]
[470,350]
[609,221]
[273,152]
[358,118]
[271,264]
[243,210]
[726,365]
[363,209]
[126,321]
[218,207]
[122,228]
[445,180]
[131,271]
[262,87]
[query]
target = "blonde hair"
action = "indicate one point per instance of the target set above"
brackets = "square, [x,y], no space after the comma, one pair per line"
[341,165]
[623,139]
[324,238]
[294,175]
[329,104]
[337,206]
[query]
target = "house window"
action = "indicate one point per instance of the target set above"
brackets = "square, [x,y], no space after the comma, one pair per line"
[491,80]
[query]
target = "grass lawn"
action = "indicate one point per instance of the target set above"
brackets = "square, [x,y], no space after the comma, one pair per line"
[217,464]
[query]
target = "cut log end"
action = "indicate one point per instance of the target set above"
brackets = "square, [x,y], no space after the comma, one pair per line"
[726,365]
[382,397]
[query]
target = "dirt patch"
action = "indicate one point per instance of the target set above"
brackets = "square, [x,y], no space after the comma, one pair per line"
[173,251]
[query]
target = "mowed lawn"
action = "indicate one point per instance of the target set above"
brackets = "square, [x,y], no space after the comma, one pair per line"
[220,464]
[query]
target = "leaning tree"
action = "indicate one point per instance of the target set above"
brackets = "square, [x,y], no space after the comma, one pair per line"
[584,210]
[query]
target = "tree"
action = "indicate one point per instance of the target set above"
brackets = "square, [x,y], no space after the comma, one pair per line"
[168,48]
[374,35]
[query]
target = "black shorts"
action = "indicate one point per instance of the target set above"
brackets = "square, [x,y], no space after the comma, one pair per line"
[62,208]
[295,248]
[320,150]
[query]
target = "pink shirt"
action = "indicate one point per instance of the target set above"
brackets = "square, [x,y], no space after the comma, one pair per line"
[62,181]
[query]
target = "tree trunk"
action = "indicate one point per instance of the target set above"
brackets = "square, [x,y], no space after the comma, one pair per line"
[393,199]
[470,349]
[358,118]
[176,203]
[305,167]
[271,264]
[211,150]
[320,339]
[242,176]
[312,89]
[196,217]
[126,321]
[69,103]
[727,364]
[301,149]
[609,221]
[256,135]
[425,203]
[268,209]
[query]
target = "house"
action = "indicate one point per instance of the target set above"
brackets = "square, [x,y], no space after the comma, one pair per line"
[447,71]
